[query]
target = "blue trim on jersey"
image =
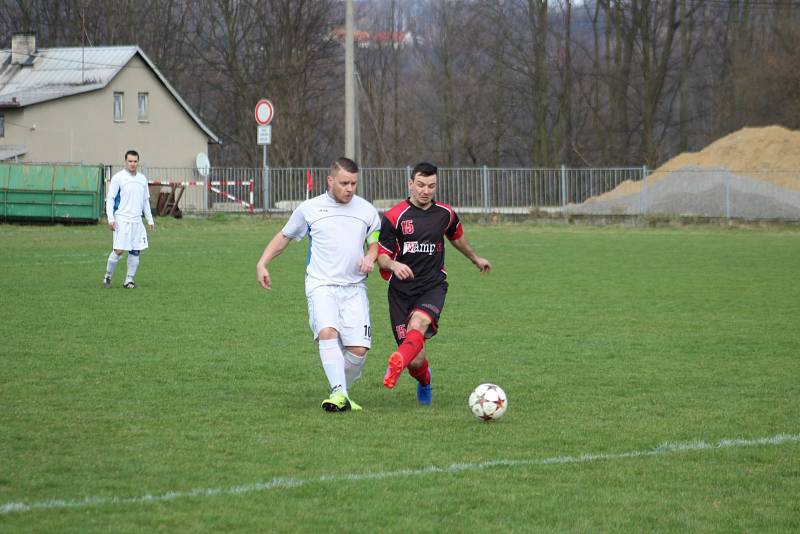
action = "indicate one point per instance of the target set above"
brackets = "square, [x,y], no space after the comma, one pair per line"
[117,200]
[308,257]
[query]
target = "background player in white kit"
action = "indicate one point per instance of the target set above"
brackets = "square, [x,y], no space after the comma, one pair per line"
[128,197]
[338,223]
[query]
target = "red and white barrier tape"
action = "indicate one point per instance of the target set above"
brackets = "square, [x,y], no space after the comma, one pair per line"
[214,186]
[223,183]
[248,205]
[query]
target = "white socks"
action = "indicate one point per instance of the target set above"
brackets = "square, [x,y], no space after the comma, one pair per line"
[112,263]
[333,364]
[352,367]
[342,367]
[133,264]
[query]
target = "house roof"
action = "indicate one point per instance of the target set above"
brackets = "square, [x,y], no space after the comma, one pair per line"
[60,72]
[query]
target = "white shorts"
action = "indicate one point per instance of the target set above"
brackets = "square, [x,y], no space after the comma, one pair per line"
[345,308]
[130,236]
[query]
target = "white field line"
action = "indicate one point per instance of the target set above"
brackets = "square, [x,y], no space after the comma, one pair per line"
[286,483]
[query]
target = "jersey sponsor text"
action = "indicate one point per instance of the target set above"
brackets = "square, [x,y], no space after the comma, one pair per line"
[415,247]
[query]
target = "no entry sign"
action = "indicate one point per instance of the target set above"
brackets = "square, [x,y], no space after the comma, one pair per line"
[264,112]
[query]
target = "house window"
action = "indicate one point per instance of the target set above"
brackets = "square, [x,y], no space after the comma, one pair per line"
[119,107]
[2,125]
[144,107]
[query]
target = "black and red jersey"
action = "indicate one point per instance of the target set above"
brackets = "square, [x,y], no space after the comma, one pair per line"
[415,237]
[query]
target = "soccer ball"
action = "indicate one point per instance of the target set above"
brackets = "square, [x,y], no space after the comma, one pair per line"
[488,402]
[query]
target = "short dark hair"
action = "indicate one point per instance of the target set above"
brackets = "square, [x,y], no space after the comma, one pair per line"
[424,169]
[131,153]
[345,164]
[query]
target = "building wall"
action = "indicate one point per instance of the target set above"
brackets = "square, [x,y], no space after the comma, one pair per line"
[81,128]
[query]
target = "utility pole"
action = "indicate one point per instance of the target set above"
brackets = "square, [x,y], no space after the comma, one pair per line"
[349,88]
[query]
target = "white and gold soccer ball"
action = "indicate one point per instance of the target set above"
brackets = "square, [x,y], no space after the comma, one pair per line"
[488,402]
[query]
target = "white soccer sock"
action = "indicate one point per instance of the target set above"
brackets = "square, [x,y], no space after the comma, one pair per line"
[133,264]
[353,364]
[333,364]
[112,263]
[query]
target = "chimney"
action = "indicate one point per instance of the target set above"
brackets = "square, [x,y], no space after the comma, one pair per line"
[23,48]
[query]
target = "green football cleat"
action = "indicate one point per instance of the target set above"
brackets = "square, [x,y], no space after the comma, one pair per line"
[353,406]
[339,402]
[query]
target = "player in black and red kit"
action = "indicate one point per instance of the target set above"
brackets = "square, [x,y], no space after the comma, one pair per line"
[411,257]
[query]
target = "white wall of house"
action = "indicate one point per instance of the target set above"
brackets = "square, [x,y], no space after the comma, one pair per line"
[82,129]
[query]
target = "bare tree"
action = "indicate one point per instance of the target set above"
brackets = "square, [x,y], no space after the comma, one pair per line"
[503,82]
[620,38]
[380,64]
[278,49]
[523,53]
[763,77]
[564,119]
[656,25]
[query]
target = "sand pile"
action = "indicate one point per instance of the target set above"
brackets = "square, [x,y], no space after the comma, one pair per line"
[753,173]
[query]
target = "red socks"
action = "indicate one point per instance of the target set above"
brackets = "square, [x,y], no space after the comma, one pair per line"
[421,374]
[411,346]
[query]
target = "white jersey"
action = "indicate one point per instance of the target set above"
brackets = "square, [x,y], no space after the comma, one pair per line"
[128,197]
[336,233]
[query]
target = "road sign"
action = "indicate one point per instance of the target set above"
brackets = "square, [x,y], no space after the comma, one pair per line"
[264,135]
[264,112]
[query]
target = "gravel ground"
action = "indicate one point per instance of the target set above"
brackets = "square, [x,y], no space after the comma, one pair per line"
[701,192]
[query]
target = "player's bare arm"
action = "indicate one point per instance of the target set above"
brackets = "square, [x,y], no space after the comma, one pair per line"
[463,246]
[368,261]
[148,214]
[277,245]
[400,270]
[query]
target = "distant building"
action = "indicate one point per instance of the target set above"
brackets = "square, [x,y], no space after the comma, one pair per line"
[365,39]
[89,105]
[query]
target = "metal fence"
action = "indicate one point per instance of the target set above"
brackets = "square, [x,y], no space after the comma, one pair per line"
[480,189]
[485,190]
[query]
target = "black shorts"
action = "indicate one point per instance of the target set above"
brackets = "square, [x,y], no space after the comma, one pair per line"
[401,306]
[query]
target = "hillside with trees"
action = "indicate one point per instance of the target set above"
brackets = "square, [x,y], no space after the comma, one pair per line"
[529,83]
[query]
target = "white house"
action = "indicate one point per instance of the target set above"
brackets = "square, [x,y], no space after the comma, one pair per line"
[90,105]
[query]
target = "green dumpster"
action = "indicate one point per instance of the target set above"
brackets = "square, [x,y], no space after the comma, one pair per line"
[51,192]
[4,170]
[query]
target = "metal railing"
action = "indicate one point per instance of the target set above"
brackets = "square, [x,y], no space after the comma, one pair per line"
[487,190]
[475,189]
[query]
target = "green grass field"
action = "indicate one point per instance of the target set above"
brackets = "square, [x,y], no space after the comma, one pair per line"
[653,378]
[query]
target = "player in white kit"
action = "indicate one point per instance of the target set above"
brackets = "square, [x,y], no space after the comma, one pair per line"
[128,197]
[338,224]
